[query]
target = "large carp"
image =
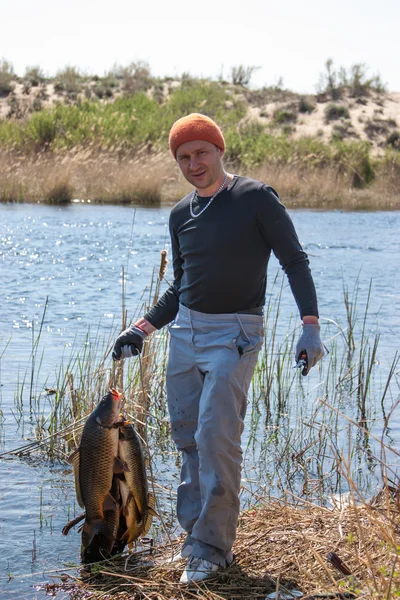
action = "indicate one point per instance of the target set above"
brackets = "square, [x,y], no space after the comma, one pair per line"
[138,504]
[95,462]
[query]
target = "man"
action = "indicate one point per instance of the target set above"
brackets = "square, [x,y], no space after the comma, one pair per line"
[222,235]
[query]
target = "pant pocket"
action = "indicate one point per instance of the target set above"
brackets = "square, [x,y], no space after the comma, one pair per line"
[250,339]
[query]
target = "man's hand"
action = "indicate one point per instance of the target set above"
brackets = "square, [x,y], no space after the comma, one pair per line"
[310,343]
[129,343]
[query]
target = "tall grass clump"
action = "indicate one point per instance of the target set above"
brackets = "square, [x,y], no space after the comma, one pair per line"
[336,111]
[6,77]
[60,193]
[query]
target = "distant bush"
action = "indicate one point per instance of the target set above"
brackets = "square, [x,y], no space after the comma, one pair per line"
[333,112]
[134,77]
[285,115]
[305,105]
[378,127]
[393,140]
[16,108]
[6,77]
[342,130]
[41,129]
[68,80]
[34,75]
[37,104]
[101,90]
[355,81]
[241,75]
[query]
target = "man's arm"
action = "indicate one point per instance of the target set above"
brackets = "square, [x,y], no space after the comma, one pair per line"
[281,236]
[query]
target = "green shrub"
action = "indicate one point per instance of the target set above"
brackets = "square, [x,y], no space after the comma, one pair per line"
[37,104]
[6,77]
[41,129]
[341,130]
[135,77]
[333,112]
[305,105]
[34,75]
[393,140]
[285,115]
[69,80]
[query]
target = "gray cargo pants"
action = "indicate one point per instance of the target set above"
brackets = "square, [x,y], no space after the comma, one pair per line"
[211,363]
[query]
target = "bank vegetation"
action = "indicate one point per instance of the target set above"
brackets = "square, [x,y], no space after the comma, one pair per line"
[105,139]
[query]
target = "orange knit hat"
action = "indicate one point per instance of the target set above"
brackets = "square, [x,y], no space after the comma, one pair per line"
[195,127]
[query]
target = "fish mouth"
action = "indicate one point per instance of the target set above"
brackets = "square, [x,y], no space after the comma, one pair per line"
[115,394]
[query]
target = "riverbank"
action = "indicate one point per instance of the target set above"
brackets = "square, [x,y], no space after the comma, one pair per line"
[283,550]
[150,178]
[66,140]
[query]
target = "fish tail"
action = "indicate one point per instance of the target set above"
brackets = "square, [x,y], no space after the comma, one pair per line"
[91,529]
[128,538]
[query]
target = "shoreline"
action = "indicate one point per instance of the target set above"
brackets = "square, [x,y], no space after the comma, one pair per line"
[152,179]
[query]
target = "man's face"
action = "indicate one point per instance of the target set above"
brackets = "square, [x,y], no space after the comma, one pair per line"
[200,163]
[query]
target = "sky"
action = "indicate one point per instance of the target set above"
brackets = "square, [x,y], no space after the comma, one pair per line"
[286,39]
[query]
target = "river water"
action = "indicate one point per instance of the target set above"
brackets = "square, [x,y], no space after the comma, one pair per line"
[73,257]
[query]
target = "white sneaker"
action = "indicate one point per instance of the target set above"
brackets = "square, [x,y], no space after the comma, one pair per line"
[184,552]
[197,569]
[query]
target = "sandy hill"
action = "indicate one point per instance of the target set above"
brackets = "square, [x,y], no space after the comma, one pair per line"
[373,117]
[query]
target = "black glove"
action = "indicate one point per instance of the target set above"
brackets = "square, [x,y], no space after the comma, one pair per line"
[129,343]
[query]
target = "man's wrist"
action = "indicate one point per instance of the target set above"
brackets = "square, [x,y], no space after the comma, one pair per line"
[145,326]
[310,320]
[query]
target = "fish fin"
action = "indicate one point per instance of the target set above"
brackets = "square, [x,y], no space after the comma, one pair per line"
[151,501]
[74,459]
[124,491]
[147,524]
[120,466]
[120,423]
[109,503]
[125,536]
[150,513]
[72,456]
[89,530]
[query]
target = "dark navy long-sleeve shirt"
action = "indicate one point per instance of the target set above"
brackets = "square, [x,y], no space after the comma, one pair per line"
[220,258]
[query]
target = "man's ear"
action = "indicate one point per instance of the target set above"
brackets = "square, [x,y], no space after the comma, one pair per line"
[220,152]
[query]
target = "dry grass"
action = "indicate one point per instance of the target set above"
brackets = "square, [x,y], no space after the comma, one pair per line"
[139,178]
[279,546]
[150,179]
[328,188]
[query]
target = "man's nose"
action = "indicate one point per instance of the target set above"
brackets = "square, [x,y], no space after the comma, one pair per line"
[194,163]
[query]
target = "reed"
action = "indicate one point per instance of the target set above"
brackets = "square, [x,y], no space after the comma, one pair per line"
[301,445]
